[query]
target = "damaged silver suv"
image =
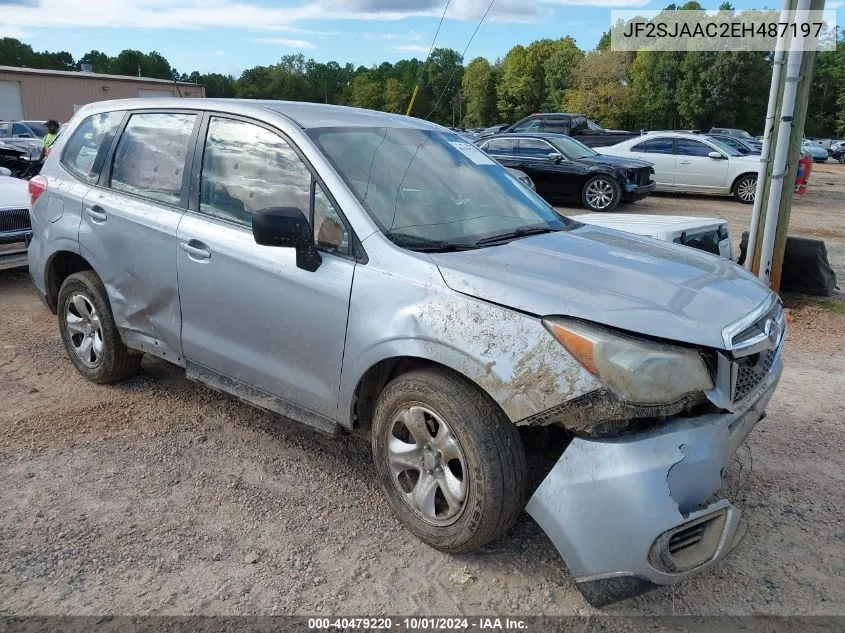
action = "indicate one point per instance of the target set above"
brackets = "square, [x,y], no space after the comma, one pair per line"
[356,270]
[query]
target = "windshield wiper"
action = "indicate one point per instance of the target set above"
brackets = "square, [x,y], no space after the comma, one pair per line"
[423,245]
[515,234]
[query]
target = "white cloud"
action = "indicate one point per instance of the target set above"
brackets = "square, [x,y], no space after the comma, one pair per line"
[247,14]
[11,30]
[281,41]
[411,48]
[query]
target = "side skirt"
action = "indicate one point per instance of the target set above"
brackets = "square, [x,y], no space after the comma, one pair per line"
[260,399]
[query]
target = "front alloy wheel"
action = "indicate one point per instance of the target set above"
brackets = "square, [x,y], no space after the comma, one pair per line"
[427,465]
[449,460]
[601,193]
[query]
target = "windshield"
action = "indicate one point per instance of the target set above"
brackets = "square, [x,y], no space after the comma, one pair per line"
[39,128]
[595,127]
[744,135]
[571,148]
[424,187]
[727,149]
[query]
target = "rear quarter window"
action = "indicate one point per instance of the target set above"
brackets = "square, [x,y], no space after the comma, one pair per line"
[86,149]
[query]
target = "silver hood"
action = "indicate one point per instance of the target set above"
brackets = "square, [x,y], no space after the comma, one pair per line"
[625,281]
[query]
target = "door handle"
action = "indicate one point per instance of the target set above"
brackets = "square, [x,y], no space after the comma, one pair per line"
[686,162]
[196,250]
[97,214]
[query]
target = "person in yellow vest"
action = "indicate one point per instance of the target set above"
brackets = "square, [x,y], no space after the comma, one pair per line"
[52,132]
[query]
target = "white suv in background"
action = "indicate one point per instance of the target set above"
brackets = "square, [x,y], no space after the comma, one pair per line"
[687,163]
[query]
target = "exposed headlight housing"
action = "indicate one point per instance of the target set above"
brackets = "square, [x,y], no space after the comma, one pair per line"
[636,370]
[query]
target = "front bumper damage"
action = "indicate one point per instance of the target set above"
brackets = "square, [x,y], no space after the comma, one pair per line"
[631,514]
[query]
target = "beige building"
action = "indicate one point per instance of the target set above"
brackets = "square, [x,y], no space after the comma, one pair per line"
[34,94]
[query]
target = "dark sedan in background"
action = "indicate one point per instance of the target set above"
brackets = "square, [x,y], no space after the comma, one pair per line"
[563,169]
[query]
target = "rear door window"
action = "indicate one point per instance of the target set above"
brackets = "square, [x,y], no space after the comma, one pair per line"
[88,146]
[558,126]
[150,157]
[4,130]
[501,147]
[654,146]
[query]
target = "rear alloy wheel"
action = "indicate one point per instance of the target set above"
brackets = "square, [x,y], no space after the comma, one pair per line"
[601,193]
[745,189]
[88,331]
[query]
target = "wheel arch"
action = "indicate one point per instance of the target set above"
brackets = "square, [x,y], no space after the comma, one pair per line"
[740,177]
[61,265]
[373,381]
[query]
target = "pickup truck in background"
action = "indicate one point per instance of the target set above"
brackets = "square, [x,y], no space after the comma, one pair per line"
[577,126]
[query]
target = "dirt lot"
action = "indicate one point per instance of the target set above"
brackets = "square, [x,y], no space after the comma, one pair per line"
[159,496]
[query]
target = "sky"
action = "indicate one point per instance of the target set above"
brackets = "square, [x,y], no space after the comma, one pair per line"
[229,36]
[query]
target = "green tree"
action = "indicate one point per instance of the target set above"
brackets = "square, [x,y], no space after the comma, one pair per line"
[367,92]
[15,53]
[655,76]
[135,63]
[254,83]
[100,62]
[560,70]
[217,85]
[514,98]
[602,89]
[395,96]
[479,93]
[442,77]
[828,83]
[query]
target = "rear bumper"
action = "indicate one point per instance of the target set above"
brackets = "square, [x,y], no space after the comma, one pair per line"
[631,514]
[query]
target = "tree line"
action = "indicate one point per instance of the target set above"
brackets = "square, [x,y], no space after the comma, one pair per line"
[642,90]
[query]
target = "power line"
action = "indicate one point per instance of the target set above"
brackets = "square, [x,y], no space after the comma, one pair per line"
[466,48]
[425,61]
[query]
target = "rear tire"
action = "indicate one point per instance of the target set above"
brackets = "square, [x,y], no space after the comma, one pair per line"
[601,193]
[745,189]
[449,461]
[91,339]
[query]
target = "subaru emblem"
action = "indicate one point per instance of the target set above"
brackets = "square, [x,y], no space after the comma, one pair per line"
[772,331]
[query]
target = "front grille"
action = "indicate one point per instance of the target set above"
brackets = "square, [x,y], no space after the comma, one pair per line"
[750,372]
[645,176]
[13,220]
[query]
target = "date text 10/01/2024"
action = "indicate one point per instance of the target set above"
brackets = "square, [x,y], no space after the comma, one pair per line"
[411,624]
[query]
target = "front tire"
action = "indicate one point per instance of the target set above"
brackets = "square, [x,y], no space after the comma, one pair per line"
[449,461]
[89,334]
[601,193]
[745,189]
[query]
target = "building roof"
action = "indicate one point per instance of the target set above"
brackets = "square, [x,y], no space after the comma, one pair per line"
[85,75]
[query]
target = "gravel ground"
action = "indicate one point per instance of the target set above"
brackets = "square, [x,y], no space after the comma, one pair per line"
[160,496]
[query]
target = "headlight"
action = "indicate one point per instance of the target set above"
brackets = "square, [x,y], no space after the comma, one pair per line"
[637,370]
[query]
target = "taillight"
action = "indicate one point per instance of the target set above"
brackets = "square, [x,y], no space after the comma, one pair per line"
[37,186]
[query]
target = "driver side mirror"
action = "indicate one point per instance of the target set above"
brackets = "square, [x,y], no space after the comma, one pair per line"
[287,227]
[716,155]
[555,157]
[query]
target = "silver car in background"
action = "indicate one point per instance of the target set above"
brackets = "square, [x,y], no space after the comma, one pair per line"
[357,270]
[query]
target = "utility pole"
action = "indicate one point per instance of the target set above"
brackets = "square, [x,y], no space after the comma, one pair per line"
[790,117]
